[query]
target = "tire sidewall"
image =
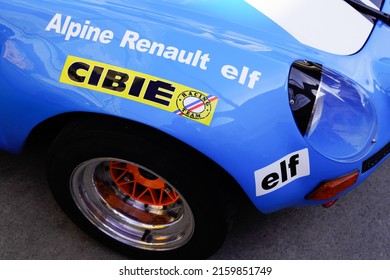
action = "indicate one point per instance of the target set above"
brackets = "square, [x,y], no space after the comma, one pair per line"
[181,168]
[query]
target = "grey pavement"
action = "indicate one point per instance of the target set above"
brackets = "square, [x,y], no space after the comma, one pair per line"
[358,227]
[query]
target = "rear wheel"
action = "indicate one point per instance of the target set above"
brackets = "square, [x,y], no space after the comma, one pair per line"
[142,193]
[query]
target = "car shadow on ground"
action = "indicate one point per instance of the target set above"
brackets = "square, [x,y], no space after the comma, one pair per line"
[34,227]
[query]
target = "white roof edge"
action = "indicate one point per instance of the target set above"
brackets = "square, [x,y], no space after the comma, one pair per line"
[329,25]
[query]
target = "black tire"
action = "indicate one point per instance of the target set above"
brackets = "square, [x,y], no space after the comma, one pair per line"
[98,169]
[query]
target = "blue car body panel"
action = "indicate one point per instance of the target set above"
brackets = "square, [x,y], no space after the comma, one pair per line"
[231,52]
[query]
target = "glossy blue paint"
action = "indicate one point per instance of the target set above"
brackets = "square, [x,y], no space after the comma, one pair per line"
[246,65]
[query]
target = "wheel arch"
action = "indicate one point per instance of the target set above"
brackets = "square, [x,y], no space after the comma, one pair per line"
[43,135]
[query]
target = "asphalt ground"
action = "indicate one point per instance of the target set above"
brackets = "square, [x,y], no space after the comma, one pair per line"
[32,227]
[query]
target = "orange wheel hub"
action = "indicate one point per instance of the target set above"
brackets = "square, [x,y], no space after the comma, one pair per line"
[141,185]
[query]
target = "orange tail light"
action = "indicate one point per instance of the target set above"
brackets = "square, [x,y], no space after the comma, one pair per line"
[330,189]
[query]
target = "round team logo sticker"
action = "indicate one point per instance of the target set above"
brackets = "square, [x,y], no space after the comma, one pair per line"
[194,104]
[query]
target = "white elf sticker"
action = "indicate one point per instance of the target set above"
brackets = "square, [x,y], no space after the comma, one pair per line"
[282,172]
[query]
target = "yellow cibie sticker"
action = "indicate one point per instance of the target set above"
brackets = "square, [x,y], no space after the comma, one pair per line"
[139,87]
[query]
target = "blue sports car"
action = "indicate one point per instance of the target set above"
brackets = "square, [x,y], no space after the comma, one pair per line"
[158,114]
